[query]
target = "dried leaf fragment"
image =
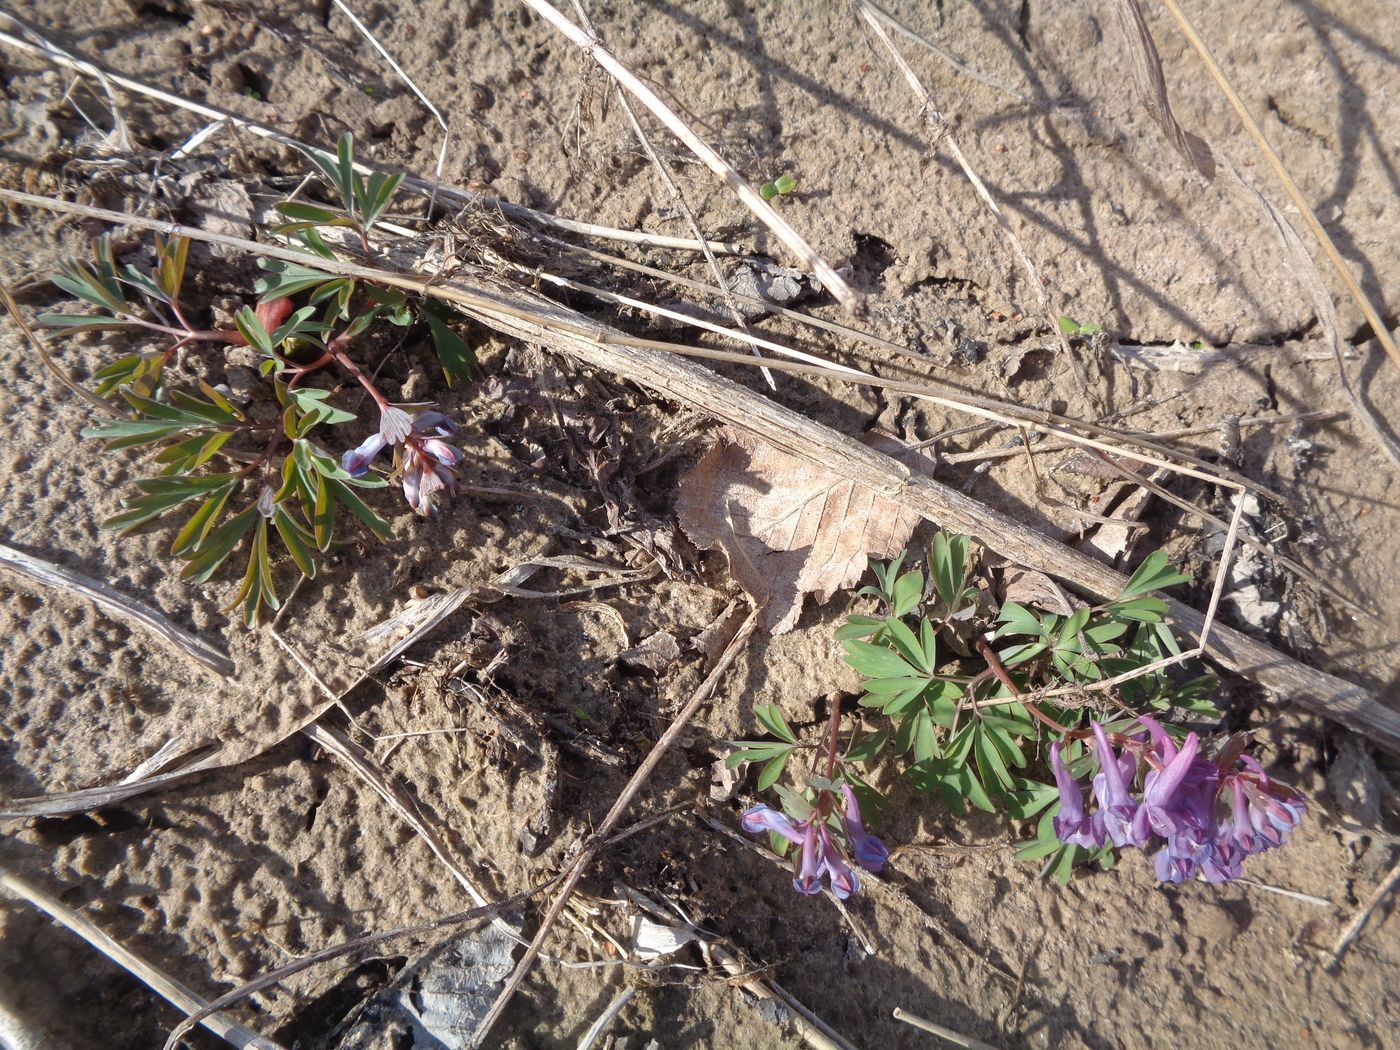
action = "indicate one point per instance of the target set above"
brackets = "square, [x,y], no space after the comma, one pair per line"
[788,527]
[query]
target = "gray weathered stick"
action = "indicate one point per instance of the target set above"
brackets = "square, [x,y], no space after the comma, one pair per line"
[157,980]
[119,605]
[847,457]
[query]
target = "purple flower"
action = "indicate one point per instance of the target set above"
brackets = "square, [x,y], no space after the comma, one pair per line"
[426,461]
[1111,783]
[820,855]
[809,875]
[427,473]
[356,462]
[869,852]
[1161,802]
[1208,817]
[844,881]
[1072,824]
[764,818]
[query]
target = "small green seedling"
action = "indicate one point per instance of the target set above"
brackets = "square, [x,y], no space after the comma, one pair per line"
[1069,326]
[779,187]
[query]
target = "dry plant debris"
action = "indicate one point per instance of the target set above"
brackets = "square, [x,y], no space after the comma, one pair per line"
[788,527]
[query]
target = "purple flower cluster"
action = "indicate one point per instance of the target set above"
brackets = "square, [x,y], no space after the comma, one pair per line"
[426,460]
[820,854]
[1210,816]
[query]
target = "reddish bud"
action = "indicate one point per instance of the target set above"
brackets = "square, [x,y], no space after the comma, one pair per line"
[271,314]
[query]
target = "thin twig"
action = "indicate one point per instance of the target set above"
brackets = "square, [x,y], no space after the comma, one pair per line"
[664,170]
[606,1018]
[615,814]
[53,366]
[446,133]
[1324,239]
[1363,916]
[956,1038]
[515,312]
[740,186]
[878,19]
[426,187]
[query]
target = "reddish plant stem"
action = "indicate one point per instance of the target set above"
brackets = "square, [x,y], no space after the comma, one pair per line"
[833,735]
[343,359]
[994,665]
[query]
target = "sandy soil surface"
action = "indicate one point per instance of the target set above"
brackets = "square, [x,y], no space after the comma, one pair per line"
[239,870]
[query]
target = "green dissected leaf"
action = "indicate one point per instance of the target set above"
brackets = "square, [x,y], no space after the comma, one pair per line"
[345,496]
[159,495]
[753,751]
[312,403]
[253,331]
[1142,610]
[858,627]
[1014,655]
[323,513]
[925,738]
[286,279]
[1029,798]
[1068,637]
[294,539]
[875,661]
[458,359]
[313,241]
[771,717]
[197,529]
[794,804]
[1155,572]
[198,410]
[303,214]
[948,558]
[378,192]
[907,592]
[1012,719]
[868,747]
[772,771]
[908,646]
[86,321]
[1045,843]
[212,553]
[1017,619]
[96,284]
[260,551]
[990,761]
[172,255]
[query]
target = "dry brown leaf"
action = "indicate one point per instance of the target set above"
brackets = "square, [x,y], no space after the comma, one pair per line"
[788,527]
[1029,587]
[1152,87]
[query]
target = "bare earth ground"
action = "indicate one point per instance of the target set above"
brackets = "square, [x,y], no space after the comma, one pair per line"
[233,873]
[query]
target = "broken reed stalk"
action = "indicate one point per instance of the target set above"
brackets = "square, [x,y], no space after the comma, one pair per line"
[509,301]
[126,609]
[619,808]
[336,951]
[678,195]
[514,312]
[425,187]
[1363,916]
[157,980]
[1324,239]
[739,185]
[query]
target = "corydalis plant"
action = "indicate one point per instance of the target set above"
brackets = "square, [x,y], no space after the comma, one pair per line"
[823,821]
[957,684]
[255,475]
